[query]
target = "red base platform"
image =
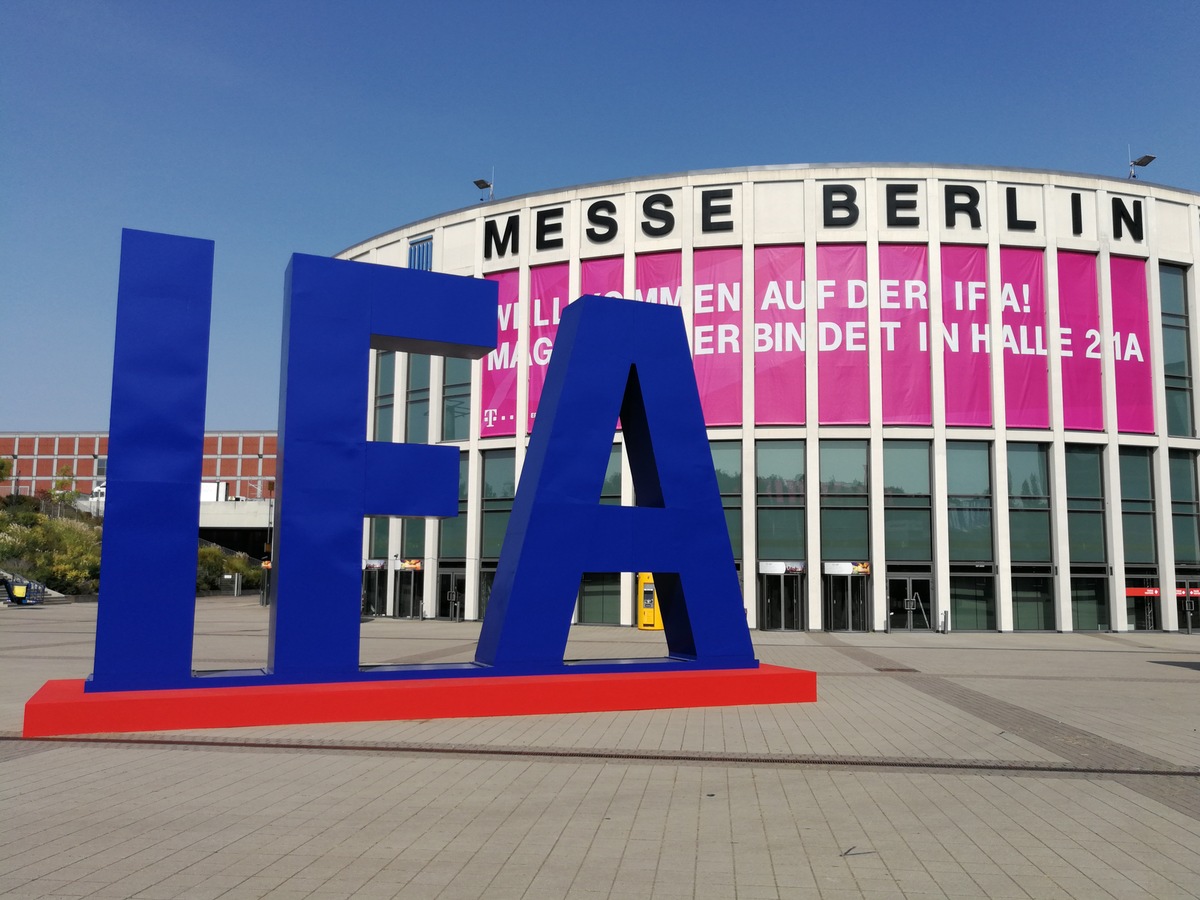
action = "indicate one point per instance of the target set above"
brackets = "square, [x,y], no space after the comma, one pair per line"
[62,707]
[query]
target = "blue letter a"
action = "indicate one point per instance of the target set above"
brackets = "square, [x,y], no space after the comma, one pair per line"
[617,357]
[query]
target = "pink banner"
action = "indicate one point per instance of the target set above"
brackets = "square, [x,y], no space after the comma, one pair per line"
[1131,345]
[499,389]
[717,333]
[1079,323]
[844,370]
[779,335]
[1023,338]
[965,335]
[659,278]
[602,277]
[904,334]
[548,295]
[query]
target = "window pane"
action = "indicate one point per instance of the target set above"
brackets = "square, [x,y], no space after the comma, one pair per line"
[495,523]
[1029,535]
[1028,471]
[457,371]
[780,469]
[907,534]
[600,598]
[1179,412]
[1033,604]
[378,545]
[418,421]
[906,467]
[1084,477]
[385,373]
[610,491]
[970,527]
[456,414]
[727,460]
[967,468]
[1089,604]
[1139,538]
[1175,352]
[1136,481]
[733,521]
[453,541]
[499,474]
[1086,531]
[844,467]
[1187,539]
[781,533]
[413,539]
[1183,476]
[844,534]
[418,371]
[1173,287]
[973,603]
[384,419]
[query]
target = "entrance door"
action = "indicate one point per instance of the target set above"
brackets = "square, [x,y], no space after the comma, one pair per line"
[910,604]
[845,599]
[409,588]
[374,592]
[1187,595]
[781,602]
[452,584]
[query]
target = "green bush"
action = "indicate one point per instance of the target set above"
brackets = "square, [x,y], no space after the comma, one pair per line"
[210,566]
[63,554]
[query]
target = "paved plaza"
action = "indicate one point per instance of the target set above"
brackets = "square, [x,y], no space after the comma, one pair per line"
[932,766]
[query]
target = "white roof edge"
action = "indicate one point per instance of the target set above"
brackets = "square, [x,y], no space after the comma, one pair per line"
[774,167]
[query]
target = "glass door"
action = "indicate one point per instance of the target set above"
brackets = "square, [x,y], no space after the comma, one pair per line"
[910,604]
[410,586]
[374,592]
[452,584]
[845,600]
[1187,595]
[781,605]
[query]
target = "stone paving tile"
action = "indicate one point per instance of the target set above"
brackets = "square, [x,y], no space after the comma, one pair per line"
[190,820]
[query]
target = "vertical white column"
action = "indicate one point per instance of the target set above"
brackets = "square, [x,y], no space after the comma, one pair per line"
[1004,594]
[937,381]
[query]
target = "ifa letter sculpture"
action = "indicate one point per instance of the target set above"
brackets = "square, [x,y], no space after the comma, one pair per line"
[613,358]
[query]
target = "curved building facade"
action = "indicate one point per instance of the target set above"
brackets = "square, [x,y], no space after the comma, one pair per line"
[936,397]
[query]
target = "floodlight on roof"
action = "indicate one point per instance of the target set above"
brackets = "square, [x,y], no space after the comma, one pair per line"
[490,186]
[1141,161]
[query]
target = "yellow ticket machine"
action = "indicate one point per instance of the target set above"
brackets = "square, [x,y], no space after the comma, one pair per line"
[648,618]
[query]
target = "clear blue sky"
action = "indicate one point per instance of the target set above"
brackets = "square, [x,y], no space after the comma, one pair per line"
[281,127]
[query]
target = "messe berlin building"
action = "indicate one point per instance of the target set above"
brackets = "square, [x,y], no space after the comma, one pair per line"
[935,395]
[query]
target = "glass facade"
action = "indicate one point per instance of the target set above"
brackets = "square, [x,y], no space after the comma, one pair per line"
[1137,504]
[845,524]
[416,416]
[499,489]
[727,461]
[969,492]
[1185,507]
[907,499]
[452,538]
[456,400]
[1085,503]
[779,485]
[1029,503]
[1177,356]
[385,395]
